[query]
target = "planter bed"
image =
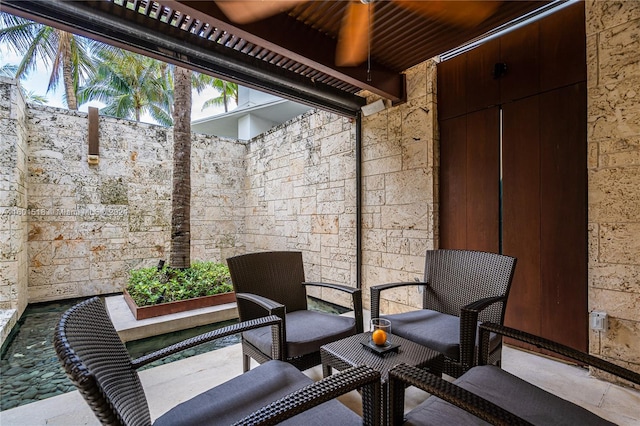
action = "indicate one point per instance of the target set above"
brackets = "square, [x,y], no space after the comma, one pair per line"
[143,312]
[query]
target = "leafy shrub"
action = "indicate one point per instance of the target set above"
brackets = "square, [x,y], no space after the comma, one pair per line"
[150,286]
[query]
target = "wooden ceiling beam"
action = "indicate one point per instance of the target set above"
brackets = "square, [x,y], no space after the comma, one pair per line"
[290,38]
[134,31]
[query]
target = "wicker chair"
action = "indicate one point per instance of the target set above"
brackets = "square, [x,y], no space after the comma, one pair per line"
[272,283]
[97,362]
[489,393]
[461,289]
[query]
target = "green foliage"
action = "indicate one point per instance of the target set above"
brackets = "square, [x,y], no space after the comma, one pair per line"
[150,286]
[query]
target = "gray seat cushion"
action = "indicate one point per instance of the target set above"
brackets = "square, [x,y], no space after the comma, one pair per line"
[433,329]
[306,332]
[509,392]
[239,397]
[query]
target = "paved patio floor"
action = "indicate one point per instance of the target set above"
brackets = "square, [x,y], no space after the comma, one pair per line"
[189,377]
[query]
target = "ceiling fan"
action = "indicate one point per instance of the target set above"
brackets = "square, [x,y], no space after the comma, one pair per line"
[353,46]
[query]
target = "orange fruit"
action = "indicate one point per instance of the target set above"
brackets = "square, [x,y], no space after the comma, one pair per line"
[379,337]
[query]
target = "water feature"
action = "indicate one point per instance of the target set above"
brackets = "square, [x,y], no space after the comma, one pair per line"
[30,369]
[29,366]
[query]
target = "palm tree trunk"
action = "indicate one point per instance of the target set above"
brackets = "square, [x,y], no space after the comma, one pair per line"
[224,96]
[180,253]
[67,74]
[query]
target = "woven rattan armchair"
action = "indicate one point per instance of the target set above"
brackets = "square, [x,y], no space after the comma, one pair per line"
[97,362]
[489,393]
[272,283]
[461,288]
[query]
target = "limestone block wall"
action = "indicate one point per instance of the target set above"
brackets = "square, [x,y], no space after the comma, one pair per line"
[301,195]
[217,197]
[13,203]
[400,209]
[613,55]
[89,225]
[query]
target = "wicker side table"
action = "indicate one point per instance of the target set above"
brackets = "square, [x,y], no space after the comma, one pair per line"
[349,352]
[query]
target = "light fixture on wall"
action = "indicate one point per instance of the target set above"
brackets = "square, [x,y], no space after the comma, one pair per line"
[373,107]
[93,157]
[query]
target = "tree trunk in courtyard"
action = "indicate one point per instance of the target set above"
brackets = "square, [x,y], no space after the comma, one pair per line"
[70,88]
[180,253]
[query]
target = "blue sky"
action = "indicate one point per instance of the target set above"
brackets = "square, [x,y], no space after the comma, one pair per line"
[38,80]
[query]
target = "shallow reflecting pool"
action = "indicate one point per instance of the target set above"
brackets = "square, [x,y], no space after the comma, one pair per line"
[30,369]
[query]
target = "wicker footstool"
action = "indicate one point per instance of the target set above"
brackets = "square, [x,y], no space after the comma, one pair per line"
[350,352]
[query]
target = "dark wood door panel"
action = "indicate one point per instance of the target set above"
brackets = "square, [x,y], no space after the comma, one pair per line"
[482,89]
[520,51]
[453,183]
[483,180]
[452,87]
[544,203]
[563,59]
[521,210]
[563,222]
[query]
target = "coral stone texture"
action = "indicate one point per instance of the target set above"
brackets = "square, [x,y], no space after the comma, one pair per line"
[613,55]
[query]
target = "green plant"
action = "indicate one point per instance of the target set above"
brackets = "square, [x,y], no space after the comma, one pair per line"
[150,286]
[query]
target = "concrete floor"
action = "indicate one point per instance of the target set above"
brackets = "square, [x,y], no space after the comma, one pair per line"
[191,376]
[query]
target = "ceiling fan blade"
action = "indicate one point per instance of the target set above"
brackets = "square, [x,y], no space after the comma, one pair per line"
[353,39]
[247,11]
[461,13]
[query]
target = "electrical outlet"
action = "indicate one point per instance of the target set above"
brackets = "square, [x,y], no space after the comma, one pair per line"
[599,321]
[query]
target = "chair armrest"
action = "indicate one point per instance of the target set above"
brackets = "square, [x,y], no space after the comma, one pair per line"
[377,289]
[323,391]
[340,287]
[540,342]
[403,375]
[356,300]
[469,326]
[270,307]
[272,320]
[251,306]
[481,304]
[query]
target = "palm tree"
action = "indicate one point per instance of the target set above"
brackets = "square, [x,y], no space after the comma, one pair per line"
[228,91]
[130,85]
[9,70]
[180,252]
[65,53]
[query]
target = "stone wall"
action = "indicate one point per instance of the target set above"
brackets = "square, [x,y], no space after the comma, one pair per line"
[400,210]
[89,225]
[292,188]
[613,55]
[301,195]
[13,203]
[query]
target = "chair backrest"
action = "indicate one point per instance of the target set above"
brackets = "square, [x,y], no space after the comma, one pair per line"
[97,362]
[459,277]
[277,275]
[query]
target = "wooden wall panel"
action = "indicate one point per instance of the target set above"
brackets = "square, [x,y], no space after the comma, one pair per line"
[482,89]
[521,210]
[483,180]
[519,49]
[453,183]
[544,204]
[452,87]
[563,222]
[563,50]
